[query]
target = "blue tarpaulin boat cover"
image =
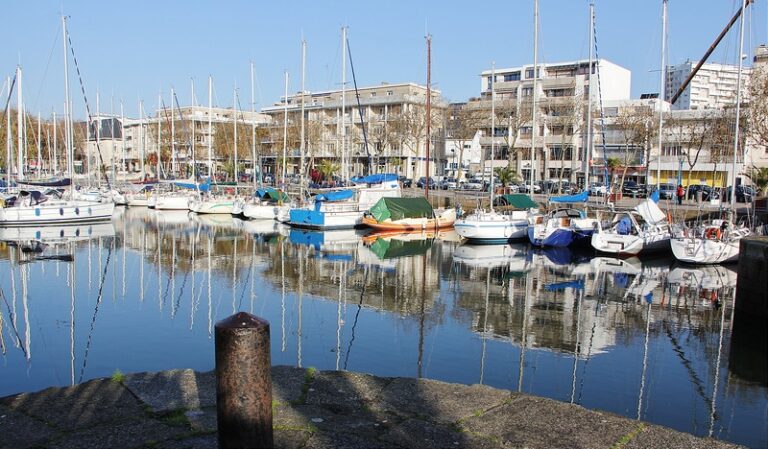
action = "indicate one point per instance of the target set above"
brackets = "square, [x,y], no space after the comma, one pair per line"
[204,187]
[577,284]
[655,196]
[338,195]
[578,198]
[375,179]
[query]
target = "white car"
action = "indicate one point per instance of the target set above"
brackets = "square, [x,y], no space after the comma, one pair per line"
[472,184]
[596,189]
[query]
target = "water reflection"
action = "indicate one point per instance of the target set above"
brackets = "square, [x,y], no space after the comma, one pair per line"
[643,338]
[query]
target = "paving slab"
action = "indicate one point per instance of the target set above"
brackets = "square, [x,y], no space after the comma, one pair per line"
[20,431]
[84,405]
[427,435]
[287,383]
[123,435]
[441,402]
[345,390]
[173,390]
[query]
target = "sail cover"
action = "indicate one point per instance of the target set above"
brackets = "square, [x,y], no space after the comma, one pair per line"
[400,208]
[338,195]
[578,198]
[650,212]
[518,201]
[375,179]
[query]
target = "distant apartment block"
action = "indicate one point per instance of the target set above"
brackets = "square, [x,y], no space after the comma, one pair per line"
[713,87]
[394,119]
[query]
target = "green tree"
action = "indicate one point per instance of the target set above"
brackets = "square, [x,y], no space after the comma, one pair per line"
[506,175]
[759,177]
[328,168]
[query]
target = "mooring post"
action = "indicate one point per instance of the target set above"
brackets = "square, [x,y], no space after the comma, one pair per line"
[243,382]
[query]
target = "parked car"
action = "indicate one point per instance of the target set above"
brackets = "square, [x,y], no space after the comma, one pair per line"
[447,183]
[405,182]
[597,189]
[707,193]
[422,182]
[633,189]
[525,188]
[744,194]
[473,184]
[667,191]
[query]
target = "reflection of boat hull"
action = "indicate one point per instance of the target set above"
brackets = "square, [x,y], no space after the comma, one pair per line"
[172,217]
[340,240]
[492,227]
[259,227]
[53,234]
[706,277]
[443,220]
[52,212]
[486,255]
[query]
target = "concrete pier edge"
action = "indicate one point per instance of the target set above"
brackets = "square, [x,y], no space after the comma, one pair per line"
[319,409]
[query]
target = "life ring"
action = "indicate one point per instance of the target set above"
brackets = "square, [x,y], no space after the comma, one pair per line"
[713,234]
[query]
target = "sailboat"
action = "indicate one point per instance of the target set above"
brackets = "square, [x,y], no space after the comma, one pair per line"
[490,226]
[717,241]
[205,202]
[562,226]
[31,207]
[640,230]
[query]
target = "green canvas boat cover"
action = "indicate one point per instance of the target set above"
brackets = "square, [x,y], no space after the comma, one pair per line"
[277,195]
[518,201]
[399,208]
[393,248]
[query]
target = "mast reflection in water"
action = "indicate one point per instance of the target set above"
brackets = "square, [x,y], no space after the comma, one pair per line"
[645,339]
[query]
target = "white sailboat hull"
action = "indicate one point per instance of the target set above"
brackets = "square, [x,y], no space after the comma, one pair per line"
[631,245]
[699,250]
[263,211]
[56,212]
[172,202]
[211,206]
[492,227]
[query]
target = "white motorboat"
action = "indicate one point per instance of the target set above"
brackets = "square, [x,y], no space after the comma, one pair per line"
[492,226]
[172,201]
[640,230]
[712,242]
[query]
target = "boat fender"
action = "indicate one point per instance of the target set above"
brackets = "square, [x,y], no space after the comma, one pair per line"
[713,234]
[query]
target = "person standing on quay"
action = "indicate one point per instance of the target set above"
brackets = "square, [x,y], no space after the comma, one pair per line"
[680,194]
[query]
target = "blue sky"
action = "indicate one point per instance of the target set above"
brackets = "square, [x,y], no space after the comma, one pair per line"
[135,50]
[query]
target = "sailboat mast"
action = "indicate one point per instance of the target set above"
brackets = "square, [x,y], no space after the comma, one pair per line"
[19,127]
[210,127]
[234,132]
[285,129]
[55,161]
[67,111]
[253,134]
[303,94]
[662,86]
[8,143]
[159,135]
[535,88]
[493,124]
[98,140]
[738,103]
[39,143]
[174,167]
[344,156]
[588,153]
[192,143]
[429,111]
[122,141]
[143,137]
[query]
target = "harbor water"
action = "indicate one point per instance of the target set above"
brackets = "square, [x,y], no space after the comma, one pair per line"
[644,338]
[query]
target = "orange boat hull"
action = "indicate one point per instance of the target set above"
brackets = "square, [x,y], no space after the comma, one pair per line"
[430,225]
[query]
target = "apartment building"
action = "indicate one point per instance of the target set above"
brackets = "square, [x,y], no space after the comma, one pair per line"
[126,145]
[713,87]
[390,117]
[563,91]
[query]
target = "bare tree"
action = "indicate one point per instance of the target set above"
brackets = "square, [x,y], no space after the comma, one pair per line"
[462,125]
[635,126]
[691,131]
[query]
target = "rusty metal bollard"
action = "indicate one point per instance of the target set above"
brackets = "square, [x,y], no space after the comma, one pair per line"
[243,382]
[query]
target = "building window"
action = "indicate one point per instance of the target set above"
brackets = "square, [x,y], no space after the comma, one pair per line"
[671,150]
[373,94]
[557,152]
[527,91]
[389,93]
[514,76]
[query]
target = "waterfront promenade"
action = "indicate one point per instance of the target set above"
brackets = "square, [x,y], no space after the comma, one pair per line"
[330,409]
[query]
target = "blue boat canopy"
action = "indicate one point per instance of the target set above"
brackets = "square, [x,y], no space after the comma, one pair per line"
[375,179]
[582,197]
[338,195]
[204,187]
